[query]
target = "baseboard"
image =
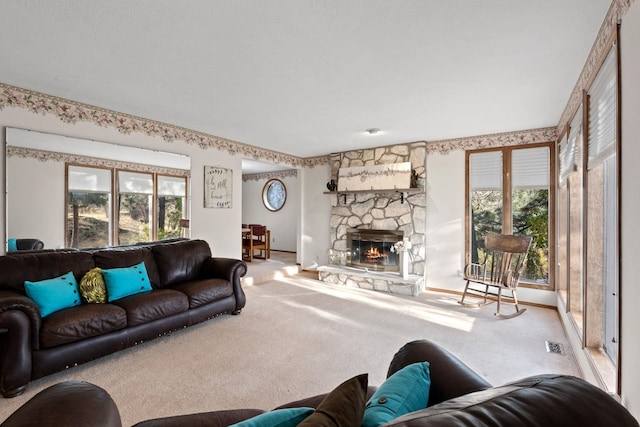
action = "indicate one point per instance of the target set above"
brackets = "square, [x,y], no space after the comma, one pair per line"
[530,304]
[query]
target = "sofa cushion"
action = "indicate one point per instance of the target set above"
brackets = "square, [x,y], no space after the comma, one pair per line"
[54,294]
[180,261]
[204,291]
[83,321]
[19,266]
[92,287]
[343,407]
[122,282]
[126,257]
[156,304]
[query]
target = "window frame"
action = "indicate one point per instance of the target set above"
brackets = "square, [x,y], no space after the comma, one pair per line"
[115,193]
[507,213]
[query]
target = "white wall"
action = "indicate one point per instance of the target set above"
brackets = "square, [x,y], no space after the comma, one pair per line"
[282,224]
[630,217]
[219,227]
[445,220]
[315,214]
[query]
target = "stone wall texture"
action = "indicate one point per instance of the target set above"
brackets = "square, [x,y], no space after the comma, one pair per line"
[382,210]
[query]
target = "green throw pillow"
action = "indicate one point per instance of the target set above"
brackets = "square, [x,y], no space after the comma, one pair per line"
[55,294]
[343,407]
[287,417]
[405,391]
[92,287]
[122,282]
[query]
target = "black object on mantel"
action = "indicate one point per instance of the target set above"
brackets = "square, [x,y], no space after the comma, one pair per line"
[414,179]
[331,185]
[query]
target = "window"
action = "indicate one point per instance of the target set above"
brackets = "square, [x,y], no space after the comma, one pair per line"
[588,225]
[88,207]
[172,194]
[148,206]
[274,194]
[509,193]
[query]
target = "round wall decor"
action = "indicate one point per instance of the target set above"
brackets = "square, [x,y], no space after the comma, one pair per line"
[274,194]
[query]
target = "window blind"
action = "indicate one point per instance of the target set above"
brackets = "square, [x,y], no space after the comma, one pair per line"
[93,180]
[530,168]
[485,171]
[569,157]
[136,183]
[171,186]
[603,104]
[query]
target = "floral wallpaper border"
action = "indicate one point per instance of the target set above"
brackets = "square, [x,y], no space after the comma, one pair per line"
[72,112]
[270,175]
[618,9]
[48,156]
[494,140]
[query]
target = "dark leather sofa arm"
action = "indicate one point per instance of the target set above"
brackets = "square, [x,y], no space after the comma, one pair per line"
[232,270]
[70,403]
[19,325]
[10,300]
[449,376]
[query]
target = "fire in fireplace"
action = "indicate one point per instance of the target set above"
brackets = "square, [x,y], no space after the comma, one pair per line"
[371,249]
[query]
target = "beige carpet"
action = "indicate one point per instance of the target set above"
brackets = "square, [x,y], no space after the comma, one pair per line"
[298,337]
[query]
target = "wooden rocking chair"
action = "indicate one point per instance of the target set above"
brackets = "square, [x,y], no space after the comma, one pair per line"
[504,261]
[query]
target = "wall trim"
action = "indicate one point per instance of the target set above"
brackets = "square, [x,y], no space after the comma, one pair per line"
[72,112]
[532,136]
[53,156]
[270,175]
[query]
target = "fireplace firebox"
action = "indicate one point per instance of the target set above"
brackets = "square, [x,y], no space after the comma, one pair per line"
[371,249]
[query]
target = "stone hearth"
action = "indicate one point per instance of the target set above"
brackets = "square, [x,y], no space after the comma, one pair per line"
[373,280]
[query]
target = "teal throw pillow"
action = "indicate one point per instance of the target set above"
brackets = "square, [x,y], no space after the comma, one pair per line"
[405,391]
[12,245]
[277,418]
[122,282]
[55,294]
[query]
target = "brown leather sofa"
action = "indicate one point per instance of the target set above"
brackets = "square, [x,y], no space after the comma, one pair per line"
[189,286]
[457,397]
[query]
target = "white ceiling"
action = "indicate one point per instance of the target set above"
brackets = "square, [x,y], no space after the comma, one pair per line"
[307,77]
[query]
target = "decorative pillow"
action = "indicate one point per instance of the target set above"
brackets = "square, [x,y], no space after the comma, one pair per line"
[405,391]
[277,418]
[92,287]
[122,282]
[12,245]
[342,407]
[55,294]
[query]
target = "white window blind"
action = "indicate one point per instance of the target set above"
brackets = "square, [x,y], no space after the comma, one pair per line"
[171,186]
[565,161]
[569,156]
[603,104]
[530,168]
[133,182]
[92,180]
[485,171]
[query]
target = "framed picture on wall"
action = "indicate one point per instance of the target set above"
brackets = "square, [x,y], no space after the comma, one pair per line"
[218,187]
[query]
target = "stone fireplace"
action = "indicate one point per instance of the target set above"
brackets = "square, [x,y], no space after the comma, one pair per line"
[371,249]
[403,214]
